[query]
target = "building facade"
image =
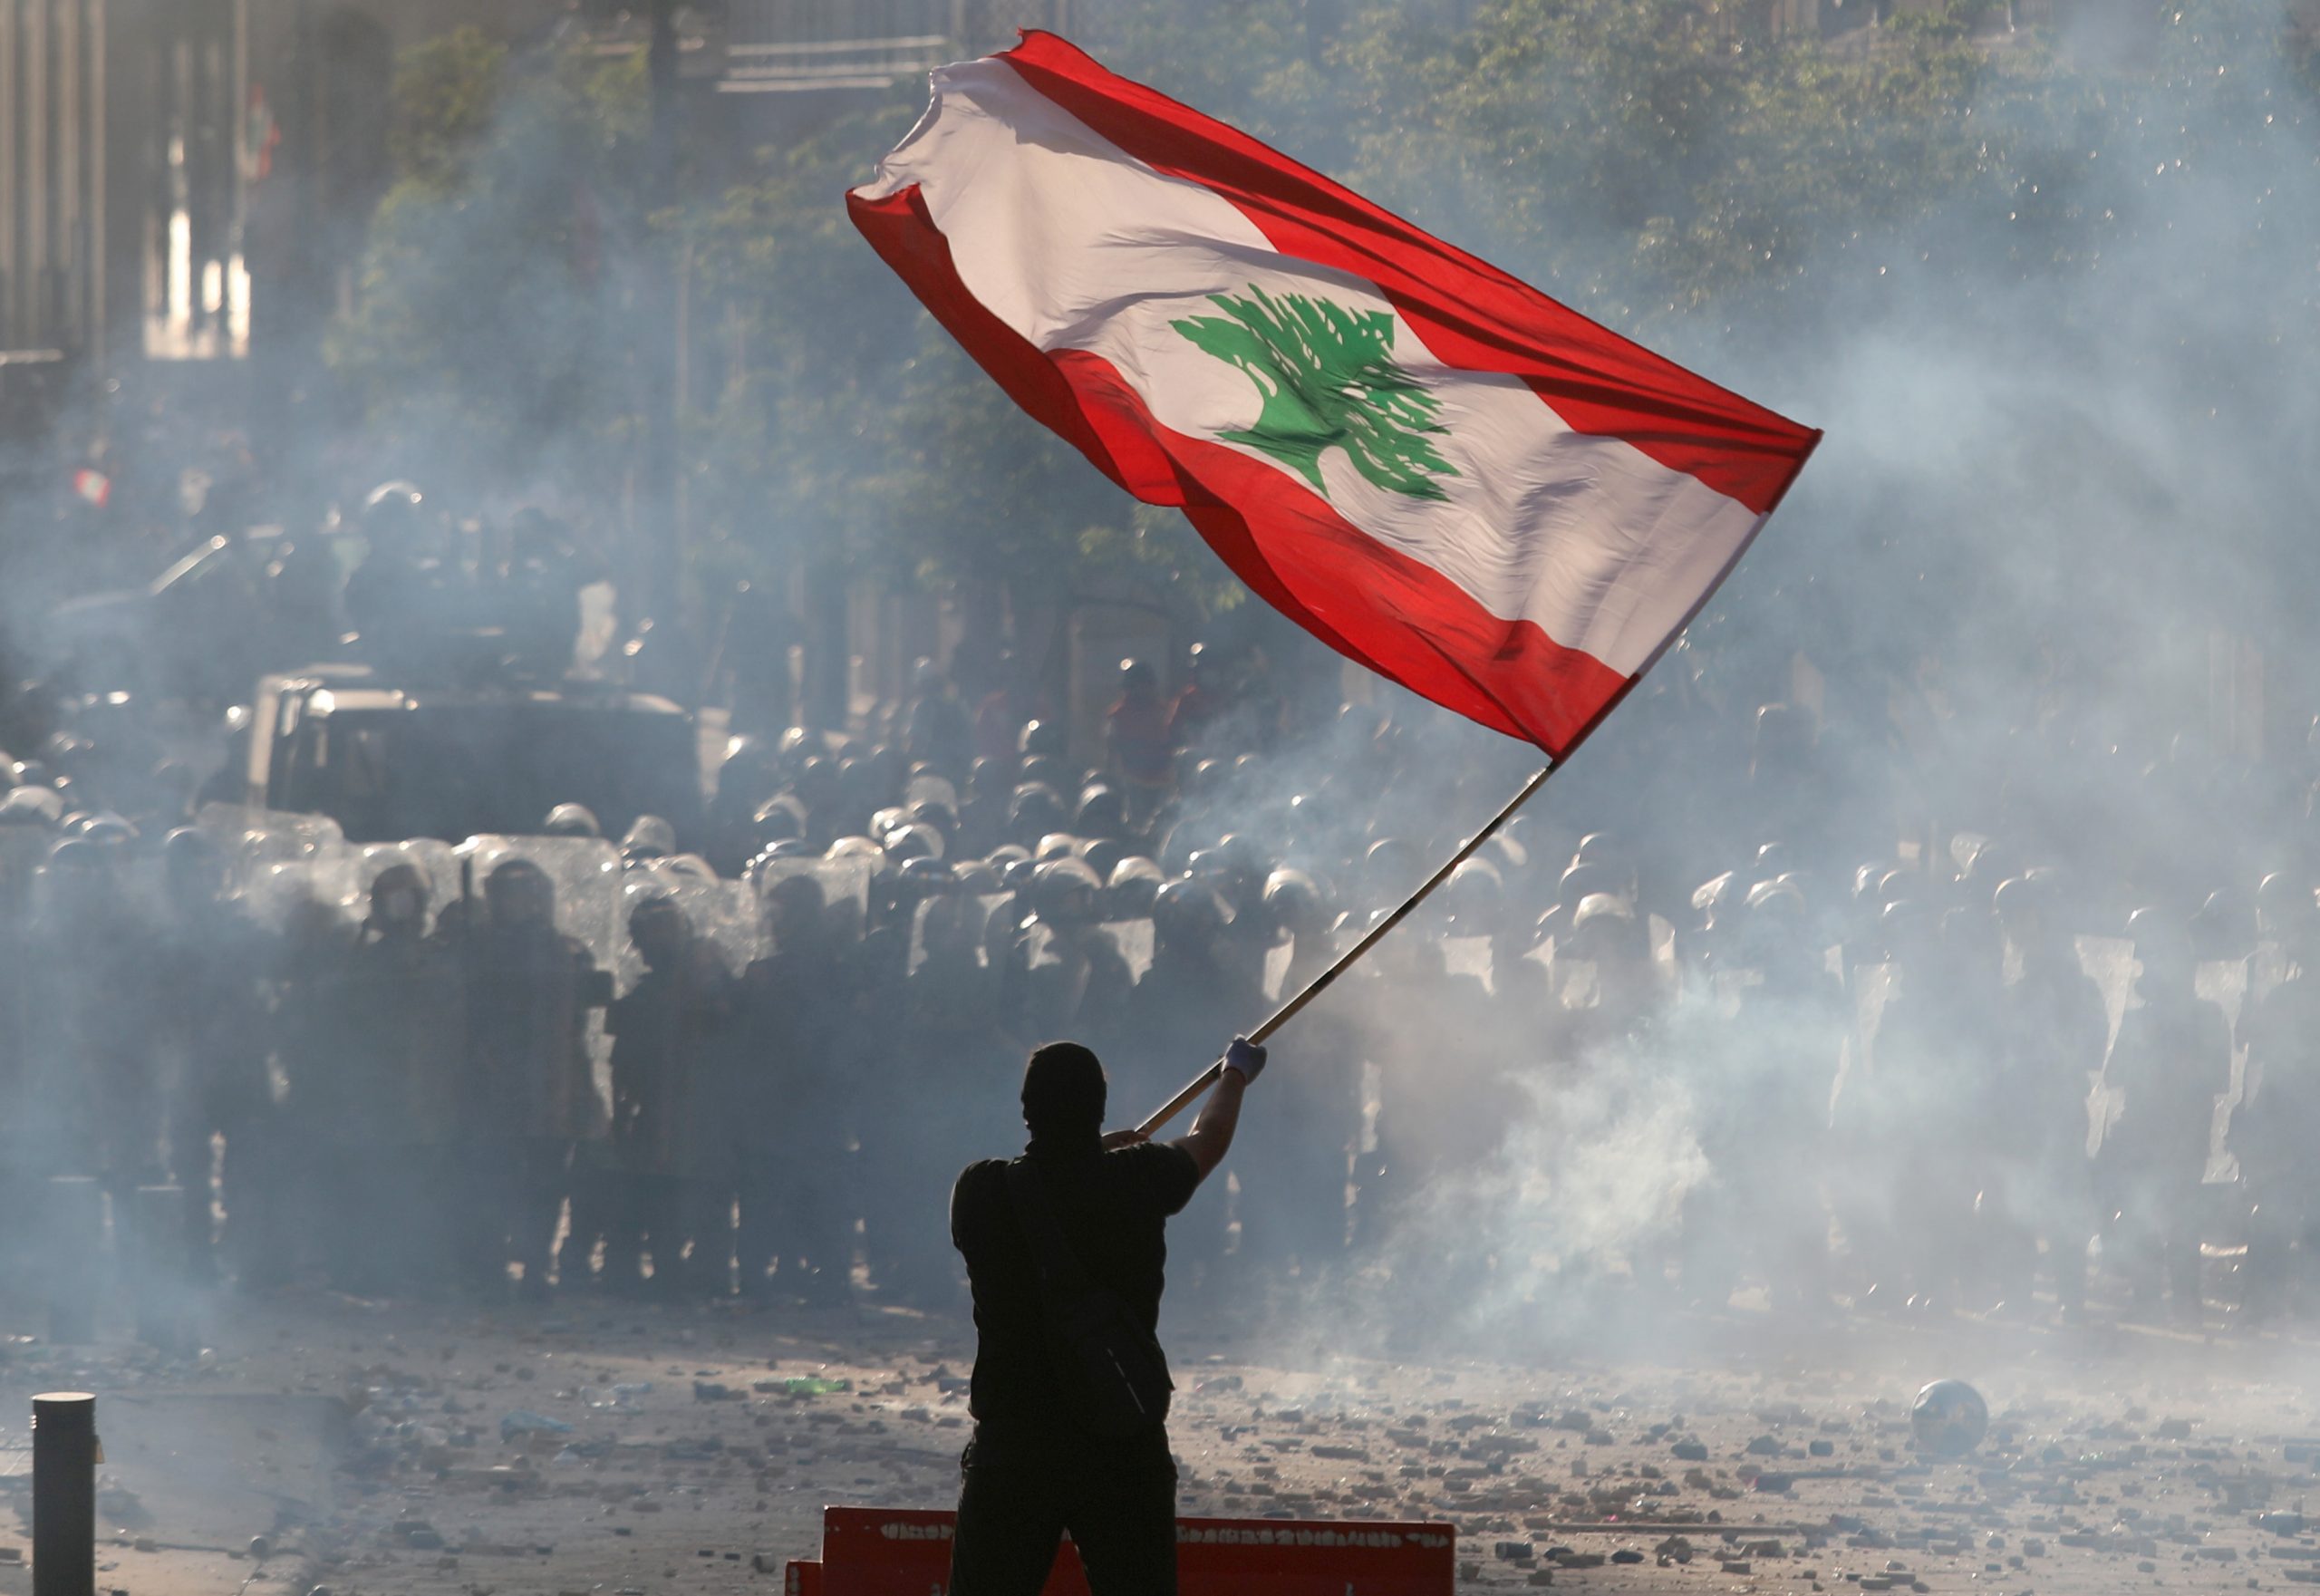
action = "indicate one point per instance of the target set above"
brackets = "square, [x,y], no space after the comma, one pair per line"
[184,180]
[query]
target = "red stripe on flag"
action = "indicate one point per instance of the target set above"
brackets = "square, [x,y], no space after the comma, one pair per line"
[1470,314]
[1369,602]
[1374,603]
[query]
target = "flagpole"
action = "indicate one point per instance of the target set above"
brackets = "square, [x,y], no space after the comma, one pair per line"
[1351,956]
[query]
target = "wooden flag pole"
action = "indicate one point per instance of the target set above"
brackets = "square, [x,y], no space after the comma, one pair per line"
[1351,956]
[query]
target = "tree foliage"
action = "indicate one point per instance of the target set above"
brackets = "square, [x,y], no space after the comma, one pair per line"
[486,341]
[1666,166]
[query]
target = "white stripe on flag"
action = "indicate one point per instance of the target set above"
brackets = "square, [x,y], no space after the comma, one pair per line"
[1074,245]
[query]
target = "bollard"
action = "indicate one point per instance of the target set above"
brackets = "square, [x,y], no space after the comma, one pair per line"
[75,1239]
[158,1283]
[65,1493]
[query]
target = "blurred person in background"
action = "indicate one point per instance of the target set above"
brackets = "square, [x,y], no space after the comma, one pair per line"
[2051,1033]
[793,1239]
[2169,1065]
[935,728]
[211,1037]
[531,1096]
[377,1102]
[1138,745]
[667,1036]
[2276,1125]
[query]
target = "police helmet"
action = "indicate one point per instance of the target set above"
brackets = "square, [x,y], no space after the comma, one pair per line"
[30,805]
[1064,893]
[1187,912]
[571,821]
[913,844]
[1135,882]
[651,837]
[1294,902]
[1100,854]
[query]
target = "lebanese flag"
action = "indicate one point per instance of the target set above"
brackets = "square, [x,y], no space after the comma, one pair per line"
[1435,469]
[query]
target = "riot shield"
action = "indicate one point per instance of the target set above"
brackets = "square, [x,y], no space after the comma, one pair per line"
[1038,946]
[252,842]
[2225,983]
[1276,972]
[585,872]
[2109,963]
[1134,939]
[722,913]
[846,891]
[1001,923]
[1131,939]
[431,856]
[1461,955]
[301,898]
[947,918]
[2230,986]
[1872,989]
[22,850]
[1662,933]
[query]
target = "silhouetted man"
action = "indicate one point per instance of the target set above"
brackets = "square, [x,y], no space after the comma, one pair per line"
[1066,1252]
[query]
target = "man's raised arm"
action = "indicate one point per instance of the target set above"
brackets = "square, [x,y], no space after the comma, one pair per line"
[1211,1137]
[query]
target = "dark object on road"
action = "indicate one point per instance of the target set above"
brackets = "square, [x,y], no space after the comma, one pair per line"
[65,1493]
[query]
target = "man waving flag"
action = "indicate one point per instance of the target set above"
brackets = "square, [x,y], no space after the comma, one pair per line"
[1435,469]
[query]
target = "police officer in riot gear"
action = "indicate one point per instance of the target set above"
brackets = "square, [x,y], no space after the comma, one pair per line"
[211,1035]
[2052,1028]
[398,598]
[667,1039]
[1074,979]
[1292,1207]
[2170,1060]
[530,1092]
[794,1198]
[381,1100]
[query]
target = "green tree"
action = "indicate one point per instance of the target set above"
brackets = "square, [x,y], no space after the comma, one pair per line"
[487,342]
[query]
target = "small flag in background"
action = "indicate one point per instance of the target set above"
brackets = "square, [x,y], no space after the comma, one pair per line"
[1435,469]
[92,488]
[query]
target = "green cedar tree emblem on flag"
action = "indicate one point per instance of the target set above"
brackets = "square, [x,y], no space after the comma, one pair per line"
[1330,382]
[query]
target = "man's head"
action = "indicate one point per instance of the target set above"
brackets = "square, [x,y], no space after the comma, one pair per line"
[793,912]
[1063,1091]
[518,893]
[398,899]
[658,928]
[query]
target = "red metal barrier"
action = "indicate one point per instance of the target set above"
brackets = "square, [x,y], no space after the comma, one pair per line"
[894,1551]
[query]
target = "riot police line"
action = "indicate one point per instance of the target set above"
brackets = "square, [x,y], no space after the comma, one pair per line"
[563,1062]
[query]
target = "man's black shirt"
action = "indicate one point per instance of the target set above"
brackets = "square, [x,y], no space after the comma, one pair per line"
[1114,1208]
